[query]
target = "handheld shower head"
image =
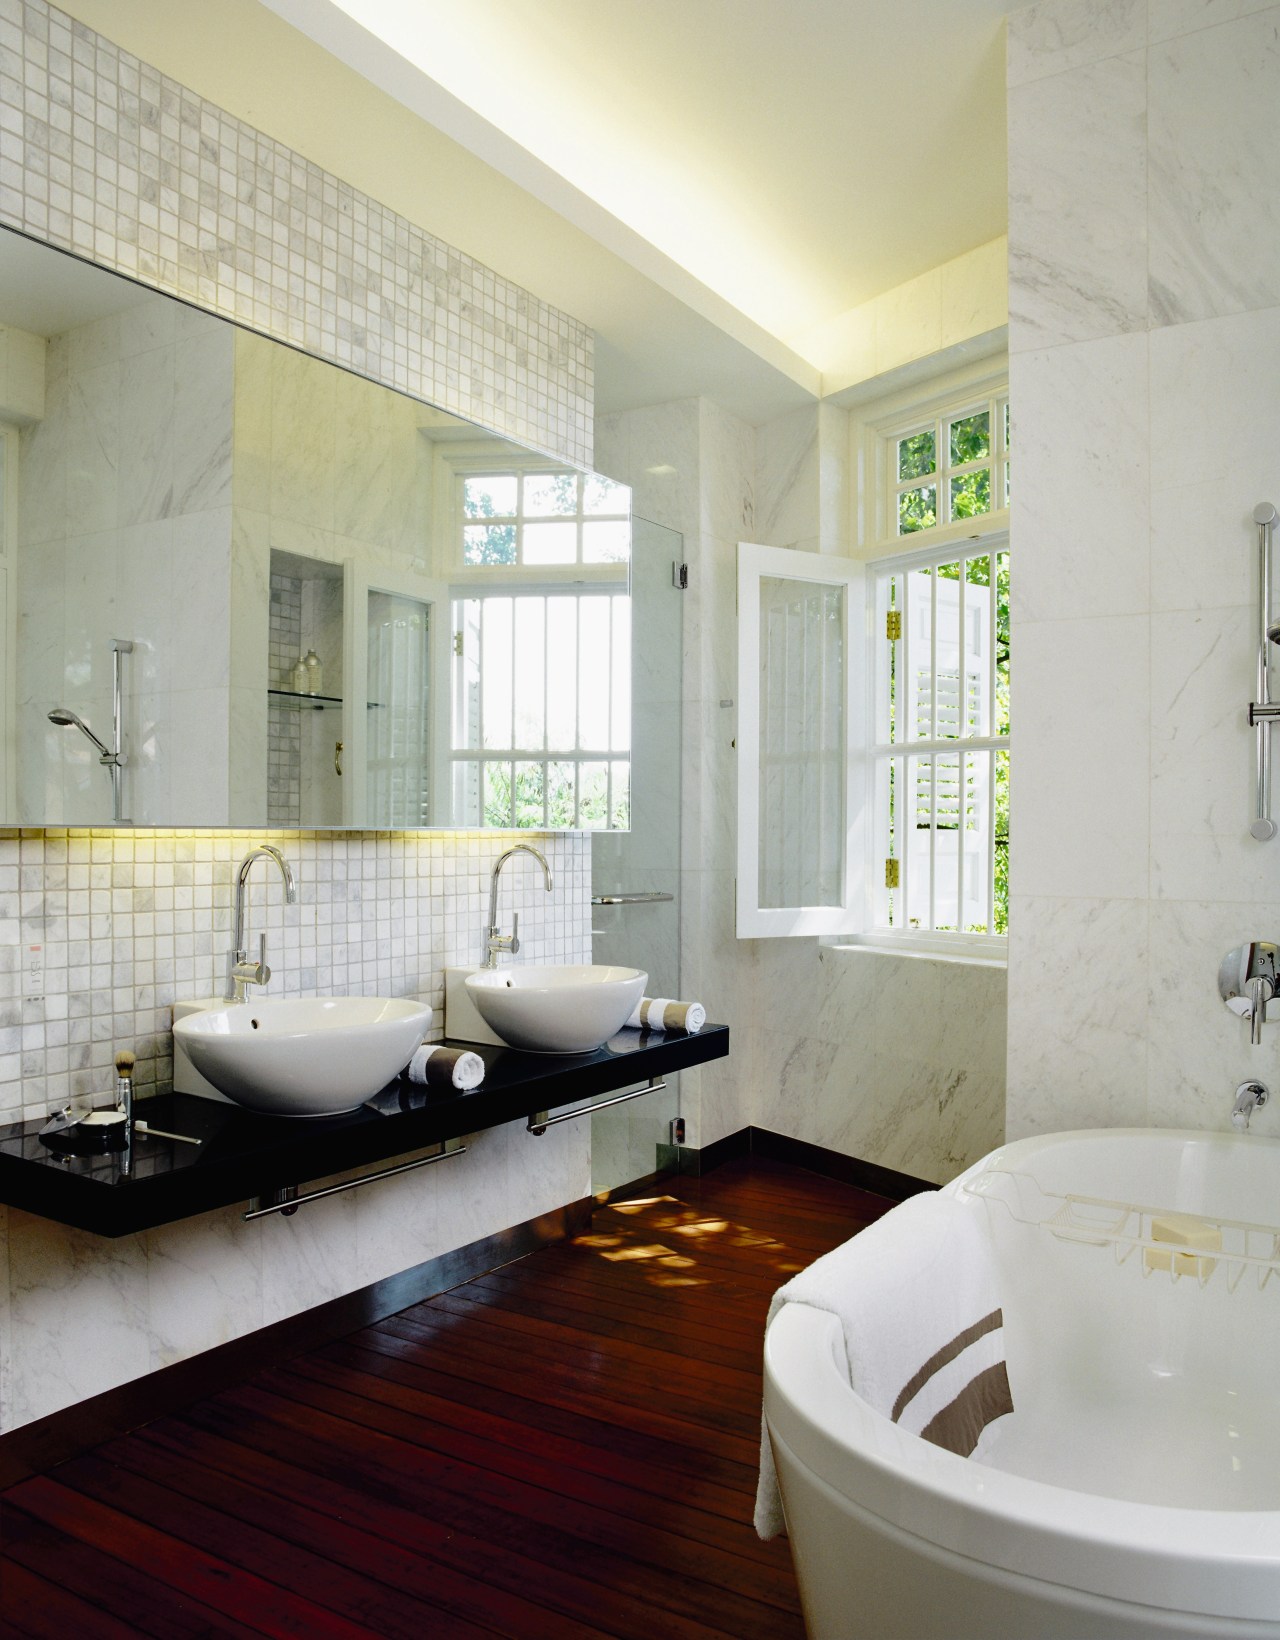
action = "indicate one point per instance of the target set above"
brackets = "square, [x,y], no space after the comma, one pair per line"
[1273,631]
[66,719]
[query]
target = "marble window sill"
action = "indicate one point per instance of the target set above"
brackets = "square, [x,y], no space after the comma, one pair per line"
[921,951]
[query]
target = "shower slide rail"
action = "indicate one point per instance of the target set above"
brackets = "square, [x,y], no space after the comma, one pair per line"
[1264,711]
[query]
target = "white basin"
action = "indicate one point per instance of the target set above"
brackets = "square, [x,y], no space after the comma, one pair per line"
[304,1056]
[569,1008]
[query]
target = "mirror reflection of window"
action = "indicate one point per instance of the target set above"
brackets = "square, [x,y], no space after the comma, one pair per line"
[208,494]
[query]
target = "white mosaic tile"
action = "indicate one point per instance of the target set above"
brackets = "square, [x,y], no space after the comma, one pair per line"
[103,155]
[130,921]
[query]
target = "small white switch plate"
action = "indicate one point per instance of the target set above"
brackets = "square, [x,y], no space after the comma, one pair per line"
[33,973]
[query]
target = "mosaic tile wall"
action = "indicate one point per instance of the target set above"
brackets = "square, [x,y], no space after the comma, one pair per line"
[105,156]
[129,921]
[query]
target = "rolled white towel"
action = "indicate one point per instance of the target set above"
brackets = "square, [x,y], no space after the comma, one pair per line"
[435,1066]
[665,1014]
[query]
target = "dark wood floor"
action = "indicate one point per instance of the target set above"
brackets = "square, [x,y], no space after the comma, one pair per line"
[562,1449]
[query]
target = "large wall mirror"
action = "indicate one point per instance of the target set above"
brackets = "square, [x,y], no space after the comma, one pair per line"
[240,586]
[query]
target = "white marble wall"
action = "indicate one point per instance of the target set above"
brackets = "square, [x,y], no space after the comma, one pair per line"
[1145,341]
[895,1060]
[125,532]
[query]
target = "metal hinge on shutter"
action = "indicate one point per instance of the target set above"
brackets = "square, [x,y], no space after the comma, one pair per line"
[893,625]
[891,874]
[457,643]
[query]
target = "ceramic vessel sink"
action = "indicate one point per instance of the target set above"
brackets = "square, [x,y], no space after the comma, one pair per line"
[304,1056]
[571,1008]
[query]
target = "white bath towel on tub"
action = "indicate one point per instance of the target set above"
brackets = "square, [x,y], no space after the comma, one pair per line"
[919,1307]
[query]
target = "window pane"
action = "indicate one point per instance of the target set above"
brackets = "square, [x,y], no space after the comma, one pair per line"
[802,740]
[917,679]
[1002,644]
[562,804]
[594,673]
[527,796]
[975,842]
[970,438]
[917,509]
[620,684]
[496,672]
[917,809]
[497,794]
[562,675]
[971,494]
[916,455]
[606,543]
[529,680]
[946,842]
[551,543]
[620,815]
[593,796]
[977,646]
[1002,844]
[466,696]
[602,495]
[549,494]
[492,495]
[489,544]
[946,584]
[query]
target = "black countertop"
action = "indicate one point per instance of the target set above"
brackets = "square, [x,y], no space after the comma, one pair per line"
[242,1155]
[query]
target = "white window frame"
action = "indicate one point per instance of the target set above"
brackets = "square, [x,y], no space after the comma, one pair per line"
[878,426]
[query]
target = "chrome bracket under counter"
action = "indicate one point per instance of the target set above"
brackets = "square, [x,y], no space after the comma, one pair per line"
[263,1160]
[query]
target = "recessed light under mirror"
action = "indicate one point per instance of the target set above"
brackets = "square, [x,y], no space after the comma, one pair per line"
[304,599]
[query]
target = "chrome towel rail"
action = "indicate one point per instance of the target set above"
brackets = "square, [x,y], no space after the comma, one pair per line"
[1263,712]
[630,899]
[539,1124]
[289,1201]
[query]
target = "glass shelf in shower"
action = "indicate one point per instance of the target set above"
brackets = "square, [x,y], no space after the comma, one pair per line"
[316,703]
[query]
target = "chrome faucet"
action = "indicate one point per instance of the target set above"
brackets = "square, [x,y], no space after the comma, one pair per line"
[1250,1096]
[1248,979]
[495,939]
[243,972]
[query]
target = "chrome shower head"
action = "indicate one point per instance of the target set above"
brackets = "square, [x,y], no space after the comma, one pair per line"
[1273,631]
[66,719]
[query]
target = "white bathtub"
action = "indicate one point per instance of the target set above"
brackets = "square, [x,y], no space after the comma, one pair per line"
[1135,1489]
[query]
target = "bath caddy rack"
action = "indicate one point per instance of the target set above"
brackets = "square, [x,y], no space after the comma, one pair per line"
[1172,1243]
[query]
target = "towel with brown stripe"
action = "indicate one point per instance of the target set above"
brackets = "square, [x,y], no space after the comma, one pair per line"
[917,1297]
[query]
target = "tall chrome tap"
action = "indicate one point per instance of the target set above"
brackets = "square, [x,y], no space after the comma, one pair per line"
[244,973]
[495,939]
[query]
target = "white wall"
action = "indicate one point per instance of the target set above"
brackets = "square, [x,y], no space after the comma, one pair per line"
[1145,338]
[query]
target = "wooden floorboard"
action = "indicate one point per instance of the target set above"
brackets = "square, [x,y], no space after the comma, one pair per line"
[563,1449]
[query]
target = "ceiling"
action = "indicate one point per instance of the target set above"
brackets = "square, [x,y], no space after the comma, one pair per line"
[770,163]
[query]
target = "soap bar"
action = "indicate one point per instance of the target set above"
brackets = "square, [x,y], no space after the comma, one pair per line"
[1183,1230]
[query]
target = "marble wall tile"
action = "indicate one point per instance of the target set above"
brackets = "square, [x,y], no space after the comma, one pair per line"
[1077,191]
[1078,1026]
[1202,677]
[204,1284]
[1200,1051]
[1167,18]
[1084,699]
[1215,193]
[79,1314]
[787,481]
[1054,37]
[1082,549]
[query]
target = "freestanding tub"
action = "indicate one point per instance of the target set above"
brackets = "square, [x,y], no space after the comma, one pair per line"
[1135,1488]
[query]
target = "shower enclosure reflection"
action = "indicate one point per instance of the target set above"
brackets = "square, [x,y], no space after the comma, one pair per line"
[348,608]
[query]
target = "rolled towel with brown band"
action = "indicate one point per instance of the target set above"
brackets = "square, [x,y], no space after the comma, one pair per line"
[435,1066]
[666,1014]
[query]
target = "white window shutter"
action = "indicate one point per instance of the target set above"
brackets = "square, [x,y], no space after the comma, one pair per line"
[802,814]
